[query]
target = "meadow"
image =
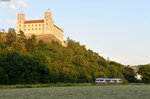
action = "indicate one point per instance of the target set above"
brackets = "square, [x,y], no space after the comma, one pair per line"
[79,92]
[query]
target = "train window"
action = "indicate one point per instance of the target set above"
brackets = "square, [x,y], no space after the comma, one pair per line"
[108,80]
[115,80]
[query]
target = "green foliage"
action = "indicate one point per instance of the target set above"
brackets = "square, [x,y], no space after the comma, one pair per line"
[144,70]
[17,47]
[31,44]
[40,56]
[21,37]
[50,62]
[129,75]
[19,68]
[11,36]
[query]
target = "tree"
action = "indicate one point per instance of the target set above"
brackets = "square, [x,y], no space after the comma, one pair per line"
[29,61]
[21,38]
[144,70]
[22,68]
[2,42]
[11,30]
[40,56]
[3,76]
[11,36]
[3,30]
[18,47]
[31,44]
[129,74]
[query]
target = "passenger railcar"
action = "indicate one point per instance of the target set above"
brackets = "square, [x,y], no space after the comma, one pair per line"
[108,80]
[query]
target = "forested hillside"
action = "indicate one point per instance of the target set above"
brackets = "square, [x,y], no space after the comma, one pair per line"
[27,61]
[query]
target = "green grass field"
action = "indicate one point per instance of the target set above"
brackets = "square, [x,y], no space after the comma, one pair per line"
[79,92]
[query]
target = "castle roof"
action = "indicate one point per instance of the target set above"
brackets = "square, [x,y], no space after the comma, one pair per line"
[34,21]
[40,21]
[58,28]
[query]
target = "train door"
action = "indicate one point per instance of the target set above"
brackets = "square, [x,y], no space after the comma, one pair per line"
[115,81]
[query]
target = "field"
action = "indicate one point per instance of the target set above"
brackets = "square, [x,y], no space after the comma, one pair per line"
[79,92]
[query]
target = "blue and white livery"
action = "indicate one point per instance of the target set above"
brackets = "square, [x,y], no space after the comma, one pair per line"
[108,80]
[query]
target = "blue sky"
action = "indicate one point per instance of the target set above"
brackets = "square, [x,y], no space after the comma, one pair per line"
[118,29]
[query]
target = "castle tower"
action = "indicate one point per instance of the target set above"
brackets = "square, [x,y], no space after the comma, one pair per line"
[48,23]
[42,28]
[20,22]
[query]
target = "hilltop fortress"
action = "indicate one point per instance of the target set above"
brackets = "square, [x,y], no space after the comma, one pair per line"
[44,29]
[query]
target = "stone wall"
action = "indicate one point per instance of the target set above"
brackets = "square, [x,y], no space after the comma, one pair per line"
[58,33]
[43,27]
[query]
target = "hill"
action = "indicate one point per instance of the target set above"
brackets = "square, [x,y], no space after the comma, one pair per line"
[30,61]
[3,35]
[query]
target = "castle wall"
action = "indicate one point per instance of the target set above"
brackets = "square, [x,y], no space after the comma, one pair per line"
[48,23]
[20,22]
[58,32]
[39,27]
[34,28]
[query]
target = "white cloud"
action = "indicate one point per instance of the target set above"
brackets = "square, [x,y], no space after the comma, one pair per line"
[13,22]
[22,3]
[15,4]
[12,6]
[9,6]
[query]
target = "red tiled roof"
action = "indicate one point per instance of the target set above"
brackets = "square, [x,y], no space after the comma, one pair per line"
[34,21]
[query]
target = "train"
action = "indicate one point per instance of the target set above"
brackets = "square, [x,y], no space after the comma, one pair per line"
[108,80]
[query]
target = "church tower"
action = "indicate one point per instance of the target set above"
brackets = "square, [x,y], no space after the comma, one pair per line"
[20,22]
[48,23]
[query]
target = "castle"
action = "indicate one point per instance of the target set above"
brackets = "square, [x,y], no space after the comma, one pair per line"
[42,27]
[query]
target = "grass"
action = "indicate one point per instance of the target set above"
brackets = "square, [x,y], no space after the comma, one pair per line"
[79,92]
[61,85]
[43,85]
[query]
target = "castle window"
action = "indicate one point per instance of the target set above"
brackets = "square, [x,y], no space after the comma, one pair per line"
[28,25]
[39,28]
[28,29]
[32,28]
[25,29]
[39,24]
[35,28]
[19,25]
[25,25]
[35,24]
[46,23]
[20,21]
